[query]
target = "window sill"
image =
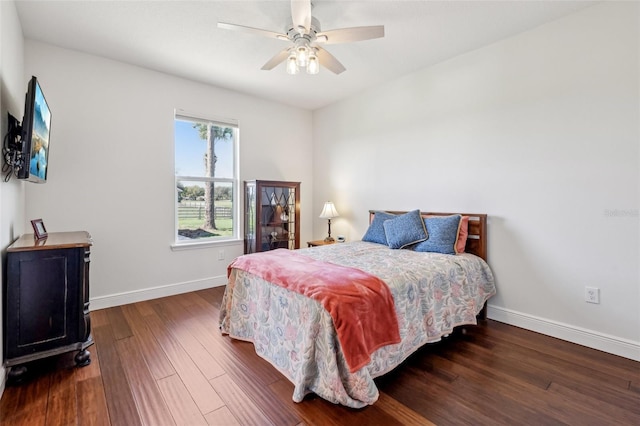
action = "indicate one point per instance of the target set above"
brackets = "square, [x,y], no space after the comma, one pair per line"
[205,244]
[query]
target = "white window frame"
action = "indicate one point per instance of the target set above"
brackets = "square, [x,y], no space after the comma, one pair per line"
[235,183]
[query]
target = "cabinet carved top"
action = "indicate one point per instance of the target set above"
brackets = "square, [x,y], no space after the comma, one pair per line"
[54,240]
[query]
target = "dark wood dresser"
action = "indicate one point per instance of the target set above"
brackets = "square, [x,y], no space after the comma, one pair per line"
[46,299]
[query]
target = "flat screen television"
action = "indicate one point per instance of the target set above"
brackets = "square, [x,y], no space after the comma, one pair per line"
[36,125]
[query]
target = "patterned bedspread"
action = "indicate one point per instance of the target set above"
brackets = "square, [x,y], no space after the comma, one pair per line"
[433,293]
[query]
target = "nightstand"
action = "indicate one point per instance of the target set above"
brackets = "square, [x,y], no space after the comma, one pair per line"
[319,243]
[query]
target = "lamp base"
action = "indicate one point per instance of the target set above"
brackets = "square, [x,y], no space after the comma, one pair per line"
[329,240]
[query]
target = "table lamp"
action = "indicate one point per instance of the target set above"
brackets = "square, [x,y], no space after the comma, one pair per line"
[328,212]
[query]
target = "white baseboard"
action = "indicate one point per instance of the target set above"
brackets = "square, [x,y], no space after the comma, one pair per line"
[102,302]
[3,380]
[592,339]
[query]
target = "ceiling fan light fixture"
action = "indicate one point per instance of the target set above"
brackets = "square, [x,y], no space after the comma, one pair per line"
[292,65]
[302,55]
[313,67]
[306,37]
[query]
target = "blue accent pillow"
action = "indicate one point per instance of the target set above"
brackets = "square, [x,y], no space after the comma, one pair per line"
[404,230]
[443,234]
[375,233]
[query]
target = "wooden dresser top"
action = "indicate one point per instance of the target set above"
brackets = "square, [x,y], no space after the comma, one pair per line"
[55,240]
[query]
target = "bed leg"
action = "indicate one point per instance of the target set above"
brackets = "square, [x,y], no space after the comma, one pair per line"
[483,313]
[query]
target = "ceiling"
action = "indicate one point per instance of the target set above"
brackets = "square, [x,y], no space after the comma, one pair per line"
[181,38]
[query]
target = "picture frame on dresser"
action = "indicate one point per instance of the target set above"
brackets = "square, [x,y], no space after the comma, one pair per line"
[39,230]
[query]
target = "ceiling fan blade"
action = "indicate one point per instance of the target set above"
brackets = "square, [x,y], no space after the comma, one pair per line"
[251,30]
[345,35]
[301,15]
[277,59]
[329,61]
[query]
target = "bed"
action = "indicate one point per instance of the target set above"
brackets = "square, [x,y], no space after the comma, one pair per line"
[432,294]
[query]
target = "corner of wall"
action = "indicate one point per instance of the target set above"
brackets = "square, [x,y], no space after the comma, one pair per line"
[11,100]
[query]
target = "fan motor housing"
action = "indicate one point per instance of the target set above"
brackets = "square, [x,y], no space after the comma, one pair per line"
[293,33]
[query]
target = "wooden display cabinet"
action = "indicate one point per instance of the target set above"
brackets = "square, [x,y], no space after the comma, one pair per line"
[272,215]
[46,299]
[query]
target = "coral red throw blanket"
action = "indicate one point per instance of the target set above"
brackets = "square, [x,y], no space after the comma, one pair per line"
[360,304]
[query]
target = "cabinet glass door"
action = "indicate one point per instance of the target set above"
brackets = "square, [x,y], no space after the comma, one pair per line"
[271,215]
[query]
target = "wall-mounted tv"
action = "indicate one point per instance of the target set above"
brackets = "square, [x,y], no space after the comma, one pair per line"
[36,125]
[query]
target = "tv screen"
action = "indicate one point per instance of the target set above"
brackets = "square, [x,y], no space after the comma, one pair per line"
[36,125]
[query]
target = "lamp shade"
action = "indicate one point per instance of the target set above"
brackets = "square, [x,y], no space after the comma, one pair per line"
[329,211]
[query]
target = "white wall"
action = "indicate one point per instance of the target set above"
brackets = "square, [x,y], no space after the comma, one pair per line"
[111,168]
[541,132]
[12,91]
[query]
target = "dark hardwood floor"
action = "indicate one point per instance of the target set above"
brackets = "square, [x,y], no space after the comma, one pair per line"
[164,362]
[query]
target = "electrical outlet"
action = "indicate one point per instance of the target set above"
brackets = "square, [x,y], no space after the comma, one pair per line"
[592,295]
[220,254]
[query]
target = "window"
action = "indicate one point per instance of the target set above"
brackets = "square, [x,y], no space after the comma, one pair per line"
[206,179]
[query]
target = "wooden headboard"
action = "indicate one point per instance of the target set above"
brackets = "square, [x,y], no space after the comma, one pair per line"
[477,239]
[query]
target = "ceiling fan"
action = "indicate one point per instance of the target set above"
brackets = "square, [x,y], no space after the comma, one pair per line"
[306,37]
